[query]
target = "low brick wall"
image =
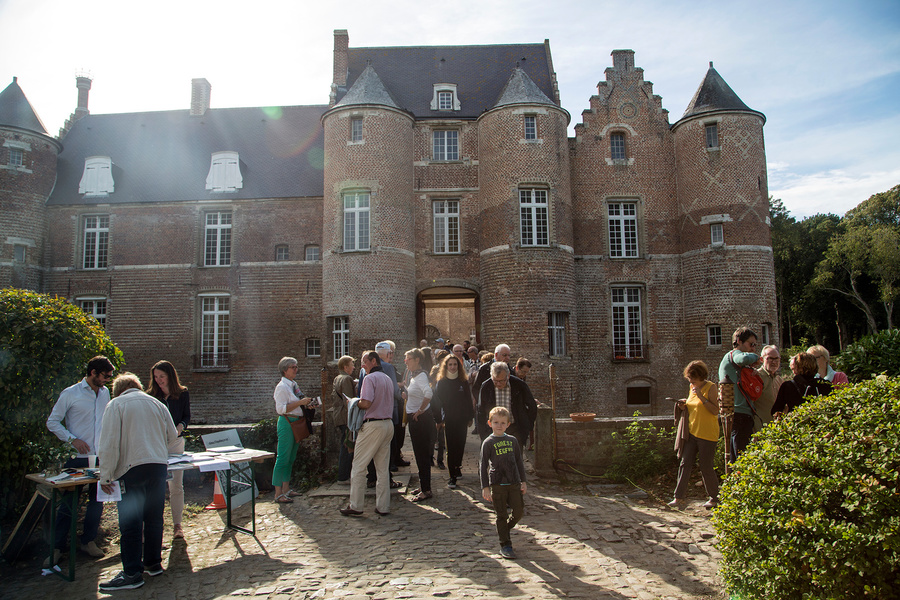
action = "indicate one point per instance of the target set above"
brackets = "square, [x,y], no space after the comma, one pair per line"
[588,447]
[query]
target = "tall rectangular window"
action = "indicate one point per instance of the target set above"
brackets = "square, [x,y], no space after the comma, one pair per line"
[356,221]
[623,241]
[617,146]
[712,135]
[340,331]
[95,307]
[626,318]
[766,335]
[356,132]
[218,239]
[556,331]
[534,217]
[446,226]
[530,127]
[446,144]
[96,242]
[19,253]
[716,234]
[713,335]
[215,314]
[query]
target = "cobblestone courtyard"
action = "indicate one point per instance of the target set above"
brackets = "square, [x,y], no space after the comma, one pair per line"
[570,544]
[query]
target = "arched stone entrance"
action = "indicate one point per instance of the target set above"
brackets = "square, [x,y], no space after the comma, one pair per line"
[452,313]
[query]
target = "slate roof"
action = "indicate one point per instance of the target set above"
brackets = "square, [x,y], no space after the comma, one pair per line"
[16,110]
[479,72]
[165,156]
[715,95]
[520,89]
[368,89]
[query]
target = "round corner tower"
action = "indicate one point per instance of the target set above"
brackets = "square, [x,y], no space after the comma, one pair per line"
[526,267]
[723,195]
[28,160]
[368,255]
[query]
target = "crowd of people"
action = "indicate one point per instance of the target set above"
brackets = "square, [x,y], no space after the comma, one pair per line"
[441,392]
[698,417]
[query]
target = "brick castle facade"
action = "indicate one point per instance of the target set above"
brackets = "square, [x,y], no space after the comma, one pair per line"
[437,193]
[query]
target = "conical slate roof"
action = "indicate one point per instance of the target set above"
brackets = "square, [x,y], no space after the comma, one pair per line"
[16,110]
[521,89]
[366,90]
[714,95]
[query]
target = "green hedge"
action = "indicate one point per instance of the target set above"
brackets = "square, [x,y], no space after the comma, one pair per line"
[872,355]
[813,507]
[45,345]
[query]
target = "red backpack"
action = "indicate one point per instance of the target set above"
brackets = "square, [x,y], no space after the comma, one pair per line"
[750,384]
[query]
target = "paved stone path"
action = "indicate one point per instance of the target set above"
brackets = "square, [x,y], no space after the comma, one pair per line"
[569,543]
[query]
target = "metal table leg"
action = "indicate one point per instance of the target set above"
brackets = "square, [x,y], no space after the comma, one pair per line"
[57,498]
[227,493]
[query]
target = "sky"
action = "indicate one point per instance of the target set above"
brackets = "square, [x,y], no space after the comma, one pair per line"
[826,73]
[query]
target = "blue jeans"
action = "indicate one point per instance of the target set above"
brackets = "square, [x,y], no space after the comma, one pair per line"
[92,513]
[141,517]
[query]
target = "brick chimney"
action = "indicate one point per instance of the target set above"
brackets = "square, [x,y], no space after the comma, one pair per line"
[83,83]
[341,64]
[200,90]
[623,60]
[341,56]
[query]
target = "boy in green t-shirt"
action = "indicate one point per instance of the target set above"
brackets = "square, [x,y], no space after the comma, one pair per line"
[503,476]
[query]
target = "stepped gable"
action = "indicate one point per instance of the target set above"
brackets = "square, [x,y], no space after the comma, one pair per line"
[368,89]
[521,89]
[714,95]
[479,72]
[165,156]
[16,110]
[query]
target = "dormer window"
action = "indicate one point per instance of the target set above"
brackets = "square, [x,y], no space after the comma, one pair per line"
[445,97]
[97,180]
[224,173]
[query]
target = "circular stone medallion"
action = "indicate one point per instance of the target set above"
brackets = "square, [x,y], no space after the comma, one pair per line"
[628,110]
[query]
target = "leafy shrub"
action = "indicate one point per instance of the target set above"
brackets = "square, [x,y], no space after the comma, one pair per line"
[641,451]
[45,344]
[812,509]
[870,356]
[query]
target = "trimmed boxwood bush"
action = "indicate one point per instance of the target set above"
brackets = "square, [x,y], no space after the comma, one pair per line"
[812,509]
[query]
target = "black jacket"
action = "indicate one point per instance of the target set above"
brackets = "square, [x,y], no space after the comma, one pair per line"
[521,400]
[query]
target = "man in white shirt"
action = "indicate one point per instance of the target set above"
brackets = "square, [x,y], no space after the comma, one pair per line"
[81,406]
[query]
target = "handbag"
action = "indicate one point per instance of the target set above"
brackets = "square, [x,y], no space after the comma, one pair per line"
[751,384]
[300,429]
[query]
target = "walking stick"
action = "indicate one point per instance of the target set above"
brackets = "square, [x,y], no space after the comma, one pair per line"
[726,413]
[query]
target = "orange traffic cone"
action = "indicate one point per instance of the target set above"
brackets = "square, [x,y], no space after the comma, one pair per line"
[218,498]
